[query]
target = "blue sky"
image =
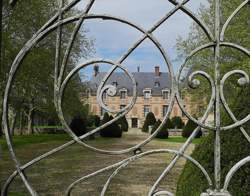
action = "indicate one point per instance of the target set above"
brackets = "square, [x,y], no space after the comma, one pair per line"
[112,39]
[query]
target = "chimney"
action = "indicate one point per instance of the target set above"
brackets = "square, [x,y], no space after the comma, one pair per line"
[96,70]
[138,69]
[157,71]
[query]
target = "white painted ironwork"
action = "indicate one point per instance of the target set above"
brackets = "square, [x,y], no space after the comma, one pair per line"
[216,41]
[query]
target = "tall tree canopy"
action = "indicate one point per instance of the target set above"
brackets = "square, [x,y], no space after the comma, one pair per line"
[234,145]
[32,92]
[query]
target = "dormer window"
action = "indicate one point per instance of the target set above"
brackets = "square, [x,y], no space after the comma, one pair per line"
[157,84]
[115,84]
[147,94]
[165,94]
[123,94]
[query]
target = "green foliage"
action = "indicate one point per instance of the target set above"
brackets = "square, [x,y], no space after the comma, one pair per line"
[234,146]
[177,122]
[149,121]
[112,130]
[123,123]
[32,92]
[189,128]
[93,121]
[163,133]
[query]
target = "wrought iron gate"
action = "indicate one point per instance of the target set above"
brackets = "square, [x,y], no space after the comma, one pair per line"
[216,41]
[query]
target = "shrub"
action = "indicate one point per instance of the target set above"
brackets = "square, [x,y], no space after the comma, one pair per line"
[177,122]
[189,128]
[78,126]
[149,121]
[123,123]
[163,133]
[112,130]
[234,147]
[93,121]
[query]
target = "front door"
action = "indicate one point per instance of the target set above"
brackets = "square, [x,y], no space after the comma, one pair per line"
[134,122]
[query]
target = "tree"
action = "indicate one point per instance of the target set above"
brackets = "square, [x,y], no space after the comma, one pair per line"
[177,122]
[112,130]
[163,133]
[149,121]
[33,84]
[234,145]
[189,128]
[78,126]
[123,123]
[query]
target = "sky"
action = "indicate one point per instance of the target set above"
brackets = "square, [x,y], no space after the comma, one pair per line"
[112,39]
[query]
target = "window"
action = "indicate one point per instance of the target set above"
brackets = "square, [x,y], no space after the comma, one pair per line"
[164,110]
[146,110]
[123,94]
[157,84]
[122,106]
[115,83]
[165,94]
[147,94]
[182,113]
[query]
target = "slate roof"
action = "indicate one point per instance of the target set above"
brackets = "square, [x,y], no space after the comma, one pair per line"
[144,80]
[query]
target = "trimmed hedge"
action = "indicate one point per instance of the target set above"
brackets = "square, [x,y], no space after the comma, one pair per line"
[234,147]
[113,130]
[163,133]
[123,123]
[149,121]
[93,121]
[177,122]
[78,126]
[189,128]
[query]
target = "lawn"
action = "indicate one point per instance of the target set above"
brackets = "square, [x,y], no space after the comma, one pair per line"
[53,175]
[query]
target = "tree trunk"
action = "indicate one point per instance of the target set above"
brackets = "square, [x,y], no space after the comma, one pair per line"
[13,124]
[30,118]
[21,123]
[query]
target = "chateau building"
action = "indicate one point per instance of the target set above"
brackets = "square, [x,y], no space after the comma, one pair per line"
[153,95]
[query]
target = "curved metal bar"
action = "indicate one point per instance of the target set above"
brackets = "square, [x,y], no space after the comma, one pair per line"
[183,148]
[127,161]
[225,26]
[40,36]
[201,23]
[71,41]
[242,81]
[236,46]
[234,169]
[166,193]
[178,97]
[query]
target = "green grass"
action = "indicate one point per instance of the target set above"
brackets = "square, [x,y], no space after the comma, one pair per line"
[33,139]
[177,139]
[43,138]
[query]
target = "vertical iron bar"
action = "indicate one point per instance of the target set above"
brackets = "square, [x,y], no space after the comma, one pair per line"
[217,150]
[58,48]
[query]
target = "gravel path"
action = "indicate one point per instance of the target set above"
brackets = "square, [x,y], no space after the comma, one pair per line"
[53,175]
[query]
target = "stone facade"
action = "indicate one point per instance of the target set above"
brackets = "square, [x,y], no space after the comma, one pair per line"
[152,96]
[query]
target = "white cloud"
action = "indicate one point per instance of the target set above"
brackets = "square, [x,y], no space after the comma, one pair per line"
[112,39]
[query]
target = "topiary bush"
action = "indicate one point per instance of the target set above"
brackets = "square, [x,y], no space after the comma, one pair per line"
[78,126]
[112,130]
[189,128]
[149,121]
[163,133]
[93,121]
[234,147]
[177,122]
[123,123]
